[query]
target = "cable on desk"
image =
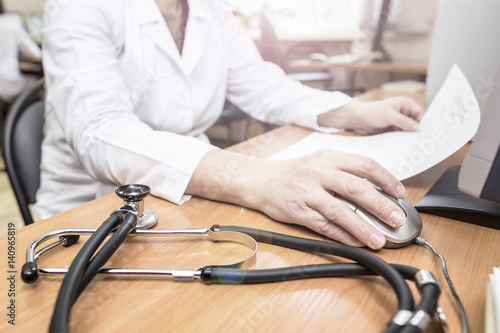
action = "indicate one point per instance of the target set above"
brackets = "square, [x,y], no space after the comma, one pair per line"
[423,242]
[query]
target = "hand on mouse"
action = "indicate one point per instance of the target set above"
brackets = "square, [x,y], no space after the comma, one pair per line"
[302,191]
[396,113]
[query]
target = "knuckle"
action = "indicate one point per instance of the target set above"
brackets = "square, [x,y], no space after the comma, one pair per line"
[388,178]
[369,165]
[337,212]
[324,153]
[355,187]
[307,167]
[296,206]
[323,226]
[382,205]
[334,231]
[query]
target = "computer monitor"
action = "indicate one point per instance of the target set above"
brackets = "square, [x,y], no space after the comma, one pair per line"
[466,33]
[34,26]
[379,31]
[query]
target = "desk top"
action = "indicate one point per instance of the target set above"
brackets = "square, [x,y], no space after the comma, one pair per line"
[29,65]
[114,303]
[394,66]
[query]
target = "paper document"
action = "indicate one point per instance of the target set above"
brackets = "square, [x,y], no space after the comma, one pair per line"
[450,122]
[493,318]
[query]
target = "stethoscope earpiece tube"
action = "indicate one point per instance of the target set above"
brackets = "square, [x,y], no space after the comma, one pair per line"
[107,251]
[82,270]
[68,292]
[30,270]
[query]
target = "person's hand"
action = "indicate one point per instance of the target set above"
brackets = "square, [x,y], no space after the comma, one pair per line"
[396,113]
[303,190]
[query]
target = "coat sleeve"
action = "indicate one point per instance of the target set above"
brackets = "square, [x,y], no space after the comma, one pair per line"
[26,45]
[263,90]
[86,90]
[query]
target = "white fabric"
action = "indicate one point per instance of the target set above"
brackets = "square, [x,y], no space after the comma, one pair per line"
[14,40]
[123,106]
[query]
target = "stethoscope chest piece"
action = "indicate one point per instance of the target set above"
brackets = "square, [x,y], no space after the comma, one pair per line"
[133,195]
[147,220]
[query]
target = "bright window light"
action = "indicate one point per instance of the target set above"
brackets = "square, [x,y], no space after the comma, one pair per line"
[306,18]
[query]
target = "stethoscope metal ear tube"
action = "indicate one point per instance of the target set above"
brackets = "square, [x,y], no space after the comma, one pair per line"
[31,269]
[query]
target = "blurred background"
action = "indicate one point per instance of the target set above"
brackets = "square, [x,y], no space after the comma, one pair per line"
[348,45]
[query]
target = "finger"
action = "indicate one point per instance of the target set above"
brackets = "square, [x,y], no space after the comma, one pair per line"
[403,122]
[339,214]
[411,108]
[320,224]
[365,195]
[368,168]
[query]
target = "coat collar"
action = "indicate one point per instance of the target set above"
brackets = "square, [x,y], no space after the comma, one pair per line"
[151,22]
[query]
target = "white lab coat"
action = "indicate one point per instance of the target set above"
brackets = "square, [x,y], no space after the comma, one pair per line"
[123,106]
[14,40]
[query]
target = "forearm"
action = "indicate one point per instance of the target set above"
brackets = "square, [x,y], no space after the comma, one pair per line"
[341,117]
[226,176]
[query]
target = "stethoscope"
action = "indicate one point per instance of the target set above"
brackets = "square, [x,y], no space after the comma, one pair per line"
[133,220]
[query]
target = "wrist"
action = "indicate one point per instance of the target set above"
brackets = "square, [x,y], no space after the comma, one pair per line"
[342,117]
[227,176]
[250,183]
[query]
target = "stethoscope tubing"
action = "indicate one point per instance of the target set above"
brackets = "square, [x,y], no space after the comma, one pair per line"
[429,292]
[393,274]
[73,282]
[403,292]
[367,264]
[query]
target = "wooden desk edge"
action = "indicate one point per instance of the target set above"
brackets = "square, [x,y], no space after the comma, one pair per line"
[261,146]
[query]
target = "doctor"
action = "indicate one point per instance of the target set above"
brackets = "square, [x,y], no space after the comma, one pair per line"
[13,41]
[132,85]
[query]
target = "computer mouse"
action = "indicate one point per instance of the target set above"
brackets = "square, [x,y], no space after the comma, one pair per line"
[395,237]
[318,57]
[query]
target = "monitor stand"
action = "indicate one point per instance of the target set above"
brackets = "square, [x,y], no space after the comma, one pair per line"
[445,199]
[377,38]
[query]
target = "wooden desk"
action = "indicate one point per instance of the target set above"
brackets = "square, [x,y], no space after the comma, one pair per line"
[393,67]
[29,65]
[129,304]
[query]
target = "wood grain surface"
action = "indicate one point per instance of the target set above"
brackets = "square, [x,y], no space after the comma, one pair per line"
[147,304]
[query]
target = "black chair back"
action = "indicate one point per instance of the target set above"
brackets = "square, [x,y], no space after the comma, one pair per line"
[22,146]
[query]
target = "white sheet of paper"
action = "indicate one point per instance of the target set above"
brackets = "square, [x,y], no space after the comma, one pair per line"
[450,122]
[495,289]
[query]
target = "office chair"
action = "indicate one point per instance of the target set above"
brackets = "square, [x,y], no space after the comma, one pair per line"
[22,146]
[4,106]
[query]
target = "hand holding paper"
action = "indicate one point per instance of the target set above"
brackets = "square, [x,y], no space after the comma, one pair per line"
[450,121]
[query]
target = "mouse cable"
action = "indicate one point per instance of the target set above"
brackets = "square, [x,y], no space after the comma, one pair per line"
[423,242]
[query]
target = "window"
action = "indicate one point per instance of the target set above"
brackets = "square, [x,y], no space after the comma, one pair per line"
[306,19]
